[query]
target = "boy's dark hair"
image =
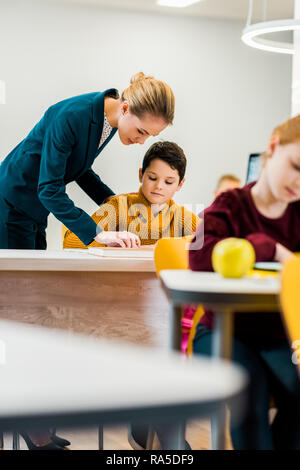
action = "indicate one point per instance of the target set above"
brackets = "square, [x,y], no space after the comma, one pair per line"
[168,152]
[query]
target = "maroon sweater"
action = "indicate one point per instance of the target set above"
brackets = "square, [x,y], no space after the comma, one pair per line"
[234,214]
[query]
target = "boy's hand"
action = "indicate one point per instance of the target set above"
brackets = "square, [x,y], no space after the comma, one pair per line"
[121,239]
[282,254]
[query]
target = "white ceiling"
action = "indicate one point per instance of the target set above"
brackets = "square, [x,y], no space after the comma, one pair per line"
[226,9]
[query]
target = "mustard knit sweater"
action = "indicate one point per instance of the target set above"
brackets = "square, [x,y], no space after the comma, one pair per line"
[133,213]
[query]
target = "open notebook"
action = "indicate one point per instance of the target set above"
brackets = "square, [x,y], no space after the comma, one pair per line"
[116,252]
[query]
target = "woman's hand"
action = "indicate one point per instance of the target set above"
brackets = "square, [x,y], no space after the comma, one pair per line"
[122,239]
[106,200]
[282,254]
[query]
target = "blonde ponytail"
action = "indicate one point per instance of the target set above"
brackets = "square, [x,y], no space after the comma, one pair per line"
[140,76]
[146,95]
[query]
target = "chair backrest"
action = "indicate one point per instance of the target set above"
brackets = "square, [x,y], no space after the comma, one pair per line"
[290,301]
[63,230]
[171,253]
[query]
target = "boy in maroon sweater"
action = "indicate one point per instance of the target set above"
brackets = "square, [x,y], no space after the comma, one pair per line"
[267,214]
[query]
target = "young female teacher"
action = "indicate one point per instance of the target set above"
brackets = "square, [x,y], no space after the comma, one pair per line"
[62,147]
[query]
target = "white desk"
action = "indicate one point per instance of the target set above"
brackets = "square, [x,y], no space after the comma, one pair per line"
[224,296]
[104,381]
[112,298]
[69,260]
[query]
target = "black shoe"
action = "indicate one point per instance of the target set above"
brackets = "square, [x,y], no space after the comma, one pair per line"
[187,446]
[32,446]
[60,441]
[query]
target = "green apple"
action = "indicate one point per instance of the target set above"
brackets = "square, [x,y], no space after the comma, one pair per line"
[233,257]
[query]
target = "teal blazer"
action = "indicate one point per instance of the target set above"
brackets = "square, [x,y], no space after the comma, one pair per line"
[61,148]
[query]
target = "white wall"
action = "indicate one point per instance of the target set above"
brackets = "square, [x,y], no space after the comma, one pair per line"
[228,96]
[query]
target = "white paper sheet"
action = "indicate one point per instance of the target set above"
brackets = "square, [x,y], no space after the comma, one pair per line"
[115,252]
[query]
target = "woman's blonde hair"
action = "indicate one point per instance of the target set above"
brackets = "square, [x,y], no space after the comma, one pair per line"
[146,95]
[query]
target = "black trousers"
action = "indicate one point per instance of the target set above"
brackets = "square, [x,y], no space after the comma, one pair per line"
[271,373]
[18,231]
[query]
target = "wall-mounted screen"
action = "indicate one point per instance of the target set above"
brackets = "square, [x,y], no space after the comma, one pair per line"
[255,164]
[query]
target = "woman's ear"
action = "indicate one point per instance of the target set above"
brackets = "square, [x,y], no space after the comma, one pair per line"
[273,144]
[124,107]
[140,175]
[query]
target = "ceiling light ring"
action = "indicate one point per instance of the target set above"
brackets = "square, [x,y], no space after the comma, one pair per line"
[251,33]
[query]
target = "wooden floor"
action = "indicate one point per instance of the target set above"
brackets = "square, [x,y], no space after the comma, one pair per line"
[115,438]
[198,436]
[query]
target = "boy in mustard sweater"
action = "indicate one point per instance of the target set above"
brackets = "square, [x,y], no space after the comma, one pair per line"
[144,217]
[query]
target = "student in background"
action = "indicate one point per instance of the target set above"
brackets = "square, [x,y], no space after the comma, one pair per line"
[267,214]
[226,182]
[151,213]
